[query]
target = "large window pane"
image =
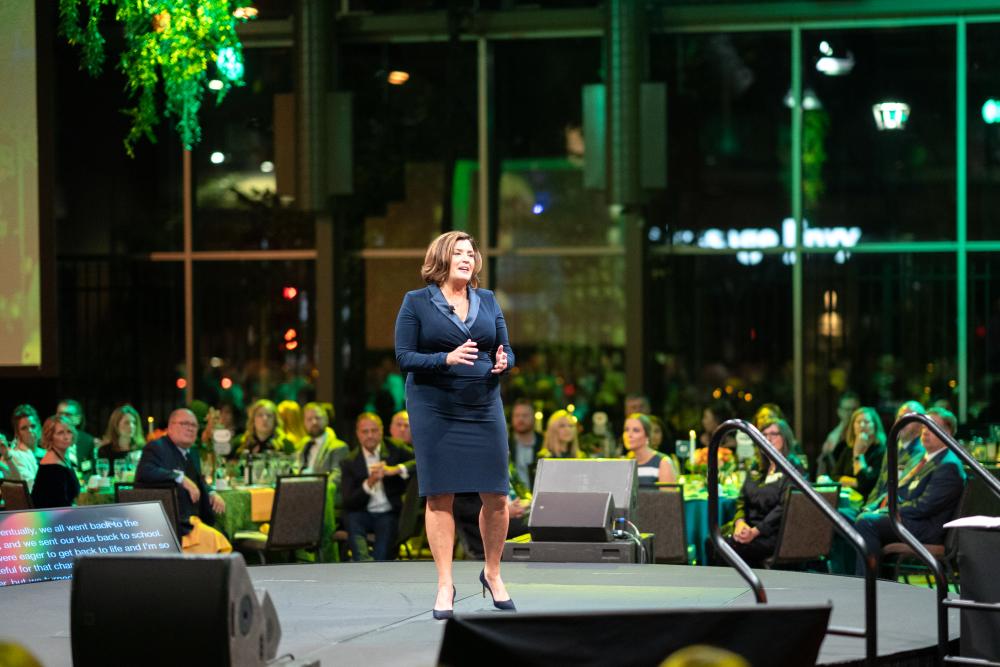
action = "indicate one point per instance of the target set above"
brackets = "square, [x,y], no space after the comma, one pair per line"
[414,109]
[882,326]
[121,336]
[896,183]
[727,139]
[540,149]
[244,185]
[258,341]
[984,338]
[566,319]
[983,123]
[719,328]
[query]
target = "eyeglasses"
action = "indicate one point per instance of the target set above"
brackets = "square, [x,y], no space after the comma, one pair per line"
[772,434]
[187,424]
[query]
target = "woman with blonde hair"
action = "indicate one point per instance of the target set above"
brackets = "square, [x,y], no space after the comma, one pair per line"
[562,439]
[56,484]
[123,435]
[263,433]
[866,442]
[291,422]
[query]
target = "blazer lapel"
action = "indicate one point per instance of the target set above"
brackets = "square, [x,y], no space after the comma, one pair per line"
[437,298]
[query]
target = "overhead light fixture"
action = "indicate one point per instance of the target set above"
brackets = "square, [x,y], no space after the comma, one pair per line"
[832,66]
[217,157]
[215,84]
[991,111]
[398,77]
[891,115]
[266,166]
[810,101]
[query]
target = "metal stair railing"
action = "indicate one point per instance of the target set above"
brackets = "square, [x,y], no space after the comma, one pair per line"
[840,523]
[940,578]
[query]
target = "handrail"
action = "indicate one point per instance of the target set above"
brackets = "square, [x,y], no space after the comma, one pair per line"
[892,489]
[840,523]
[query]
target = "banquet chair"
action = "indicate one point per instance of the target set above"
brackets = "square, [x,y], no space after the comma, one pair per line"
[904,561]
[165,494]
[805,535]
[296,520]
[14,493]
[661,512]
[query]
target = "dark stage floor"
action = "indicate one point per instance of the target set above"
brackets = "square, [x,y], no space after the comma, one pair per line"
[376,614]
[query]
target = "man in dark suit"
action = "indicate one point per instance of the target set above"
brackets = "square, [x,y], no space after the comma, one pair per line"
[928,494]
[373,480]
[169,460]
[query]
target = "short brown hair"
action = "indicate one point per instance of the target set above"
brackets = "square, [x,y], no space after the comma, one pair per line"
[947,416]
[437,261]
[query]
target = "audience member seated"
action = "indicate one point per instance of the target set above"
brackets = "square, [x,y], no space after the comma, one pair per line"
[524,442]
[911,452]
[761,503]
[56,484]
[27,449]
[82,454]
[399,428]
[928,494]
[770,413]
[716,413]
[634,404]
[374,477]
[291,423]
[866,442]
[653,466]
[323,450]
[123,435]
[599,443]
[835,445]
[169,460]
[562,440]
[658,437]
[263,433]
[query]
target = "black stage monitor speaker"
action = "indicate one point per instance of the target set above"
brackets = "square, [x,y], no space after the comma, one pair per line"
[627,638]
[169,610]
[571,517]
[619,477]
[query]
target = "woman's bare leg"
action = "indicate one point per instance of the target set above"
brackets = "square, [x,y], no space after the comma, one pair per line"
[493,522]
[440,522]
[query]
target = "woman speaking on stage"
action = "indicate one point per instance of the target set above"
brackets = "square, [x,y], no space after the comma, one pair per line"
[451,341]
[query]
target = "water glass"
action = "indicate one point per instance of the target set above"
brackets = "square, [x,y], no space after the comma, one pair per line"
[103,466]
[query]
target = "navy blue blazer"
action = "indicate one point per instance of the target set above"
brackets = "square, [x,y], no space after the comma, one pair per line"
[161,460]
[424,338]
[931,498]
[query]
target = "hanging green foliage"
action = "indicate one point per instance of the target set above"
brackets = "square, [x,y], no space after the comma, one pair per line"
[168,42]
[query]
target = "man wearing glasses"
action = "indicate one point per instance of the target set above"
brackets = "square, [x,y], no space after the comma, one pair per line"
[170,460]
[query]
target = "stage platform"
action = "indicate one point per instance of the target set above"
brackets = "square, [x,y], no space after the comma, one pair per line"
[375,614]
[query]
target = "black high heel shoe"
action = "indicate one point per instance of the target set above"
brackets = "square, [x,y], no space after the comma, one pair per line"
[505,605]
[445,614]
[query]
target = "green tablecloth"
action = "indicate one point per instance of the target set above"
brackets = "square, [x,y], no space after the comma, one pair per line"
[102,497]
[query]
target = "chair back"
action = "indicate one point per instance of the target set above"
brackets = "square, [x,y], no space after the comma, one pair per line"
[297,517]
[966,507]
[661,512]
[805,533]
[165,494]
[409,513]
[14,493]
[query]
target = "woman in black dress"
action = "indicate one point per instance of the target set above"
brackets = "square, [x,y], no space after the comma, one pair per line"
[762,499]
[451,341]
[56,484]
